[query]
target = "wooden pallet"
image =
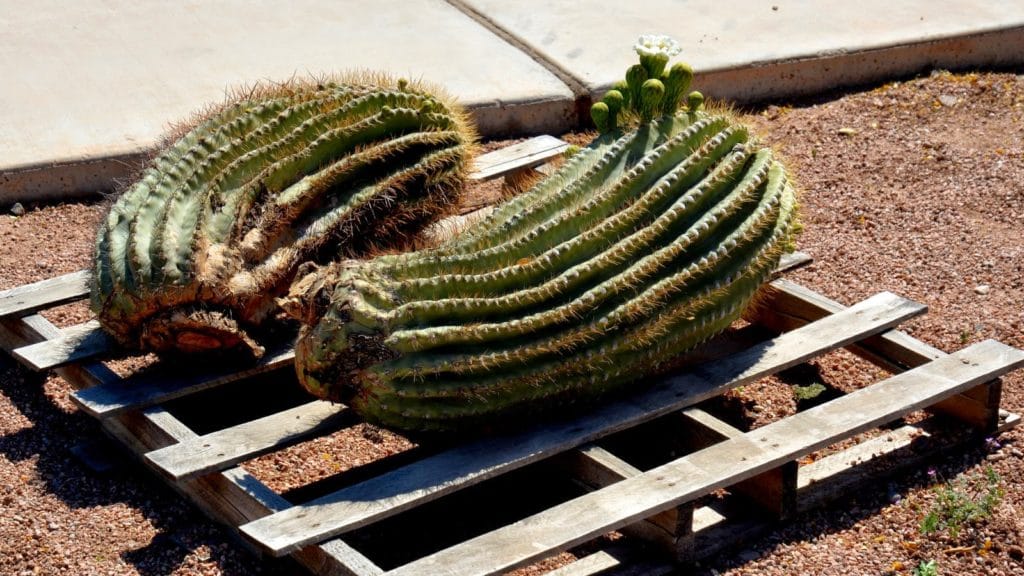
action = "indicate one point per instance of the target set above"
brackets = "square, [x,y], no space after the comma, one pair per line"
[659,501]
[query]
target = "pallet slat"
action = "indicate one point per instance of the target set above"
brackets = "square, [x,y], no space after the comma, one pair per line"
[533,152]
[148,389]
[615,561]
[230,446]
[790,305]
[74,344]
[474,462]
[31,298]
[724,464]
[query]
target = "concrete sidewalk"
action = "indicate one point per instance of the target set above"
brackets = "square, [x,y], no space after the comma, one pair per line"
[89,86]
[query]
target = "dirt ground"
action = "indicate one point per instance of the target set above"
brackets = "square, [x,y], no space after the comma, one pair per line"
[913,187]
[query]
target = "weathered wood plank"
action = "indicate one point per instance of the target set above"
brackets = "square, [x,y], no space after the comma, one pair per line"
[528,154]
[614,561]
[232,497]
[733,460]
[1007,420]
[789,305]
[474,462]
[792,261]
[30,298]
[73,344]
[148,389]
[221,449]
[773,490]
[835,475]
[978,407]
[594,468]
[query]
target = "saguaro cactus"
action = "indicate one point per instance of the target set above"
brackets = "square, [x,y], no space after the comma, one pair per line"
[192,255]
[643,245]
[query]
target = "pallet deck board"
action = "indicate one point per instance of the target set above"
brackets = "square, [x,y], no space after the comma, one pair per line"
[232,445]
[74,344]
[792,305]
[721,465]
[147,389]
[533,152]
[31,298]
[474,462]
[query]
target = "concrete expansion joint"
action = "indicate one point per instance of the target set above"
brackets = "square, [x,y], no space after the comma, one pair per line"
[581,95]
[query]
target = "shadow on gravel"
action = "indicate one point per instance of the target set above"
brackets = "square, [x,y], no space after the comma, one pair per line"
[184,537]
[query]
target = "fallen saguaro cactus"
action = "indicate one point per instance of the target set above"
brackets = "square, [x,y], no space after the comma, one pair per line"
[193,254]
[644,244]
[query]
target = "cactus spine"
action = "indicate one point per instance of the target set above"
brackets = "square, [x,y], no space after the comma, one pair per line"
[191,256]
[643,245]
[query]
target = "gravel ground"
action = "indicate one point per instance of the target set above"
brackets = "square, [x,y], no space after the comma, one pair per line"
[912,187]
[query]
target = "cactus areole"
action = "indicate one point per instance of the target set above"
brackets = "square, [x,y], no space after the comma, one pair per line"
[644,244]
[193,254]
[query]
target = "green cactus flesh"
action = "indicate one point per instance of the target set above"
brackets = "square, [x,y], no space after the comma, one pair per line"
[193,254]
[643,245]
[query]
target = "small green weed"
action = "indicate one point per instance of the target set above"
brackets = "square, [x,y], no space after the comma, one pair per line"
[958,505]
[926,569]
[809,392]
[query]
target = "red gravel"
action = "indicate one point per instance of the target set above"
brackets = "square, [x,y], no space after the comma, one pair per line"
[913,187]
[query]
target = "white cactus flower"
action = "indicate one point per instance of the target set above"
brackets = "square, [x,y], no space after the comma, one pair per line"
[656,44]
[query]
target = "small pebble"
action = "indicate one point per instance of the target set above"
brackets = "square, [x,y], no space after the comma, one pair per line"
[1016,453]
[846,131]
[948,100]
[996,456]
[17,209]
[982,289]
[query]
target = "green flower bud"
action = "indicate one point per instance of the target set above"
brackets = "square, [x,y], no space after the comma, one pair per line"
[651,94]
[677,82]
[614,100]
[694,101]
[623,88]
[636,75]
[600,114]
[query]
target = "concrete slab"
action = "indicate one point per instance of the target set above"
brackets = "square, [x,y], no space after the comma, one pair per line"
[90,85]
[746,50]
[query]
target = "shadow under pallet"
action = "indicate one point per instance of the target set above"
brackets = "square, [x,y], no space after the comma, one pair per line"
[643,465]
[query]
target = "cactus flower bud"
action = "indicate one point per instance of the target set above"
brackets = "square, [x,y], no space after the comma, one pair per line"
[636,75]
[651,94]
[600,113]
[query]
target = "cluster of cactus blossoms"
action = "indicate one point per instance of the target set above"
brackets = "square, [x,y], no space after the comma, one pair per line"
[647,242]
